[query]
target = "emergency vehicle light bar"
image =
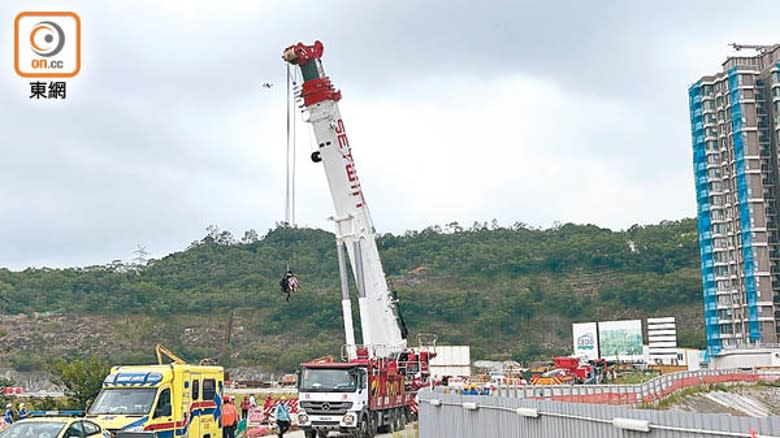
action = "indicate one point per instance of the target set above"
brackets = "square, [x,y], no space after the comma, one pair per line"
[57,413]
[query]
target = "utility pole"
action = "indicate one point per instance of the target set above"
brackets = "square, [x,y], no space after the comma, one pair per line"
[228,327]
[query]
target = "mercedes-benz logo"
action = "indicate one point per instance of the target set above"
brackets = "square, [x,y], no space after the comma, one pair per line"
[326,406]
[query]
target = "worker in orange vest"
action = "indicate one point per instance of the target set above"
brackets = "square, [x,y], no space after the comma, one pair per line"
[229,418]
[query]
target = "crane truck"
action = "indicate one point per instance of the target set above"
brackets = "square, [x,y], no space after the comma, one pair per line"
[372,388]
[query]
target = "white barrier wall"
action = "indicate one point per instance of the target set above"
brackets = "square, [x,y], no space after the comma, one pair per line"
[451,360]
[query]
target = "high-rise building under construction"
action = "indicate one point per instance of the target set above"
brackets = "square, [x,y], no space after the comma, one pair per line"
[735,122]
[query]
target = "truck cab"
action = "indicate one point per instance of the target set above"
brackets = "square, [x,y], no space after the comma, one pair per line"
[169,400]
[333,397]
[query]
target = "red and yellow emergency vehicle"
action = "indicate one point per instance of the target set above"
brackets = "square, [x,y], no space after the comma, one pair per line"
[172,400]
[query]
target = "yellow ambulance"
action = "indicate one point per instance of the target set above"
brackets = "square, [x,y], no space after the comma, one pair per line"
[171,400]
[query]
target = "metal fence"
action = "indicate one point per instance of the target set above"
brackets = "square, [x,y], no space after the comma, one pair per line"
[648,392]
[468,416]
[739,345]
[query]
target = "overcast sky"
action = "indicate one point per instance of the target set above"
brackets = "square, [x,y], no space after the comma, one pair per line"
[533,111]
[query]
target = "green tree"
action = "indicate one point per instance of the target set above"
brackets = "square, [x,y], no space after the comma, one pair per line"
[506,291]
[690,338]
[81,378]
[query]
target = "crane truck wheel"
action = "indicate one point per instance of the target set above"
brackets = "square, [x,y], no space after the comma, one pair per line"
[398,423]
[389,421]
[372,427]
[364,430]
[315,156]
[392,421]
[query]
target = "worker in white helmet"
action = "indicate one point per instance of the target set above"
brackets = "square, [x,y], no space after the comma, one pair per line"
[8,417]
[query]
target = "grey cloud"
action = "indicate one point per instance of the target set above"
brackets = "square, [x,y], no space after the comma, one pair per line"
[148,148]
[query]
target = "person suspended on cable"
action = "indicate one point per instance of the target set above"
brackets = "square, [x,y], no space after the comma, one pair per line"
[292,281]
[284,286]
[289,284]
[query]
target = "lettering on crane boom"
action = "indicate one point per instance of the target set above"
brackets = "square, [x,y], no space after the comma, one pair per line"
[350,166]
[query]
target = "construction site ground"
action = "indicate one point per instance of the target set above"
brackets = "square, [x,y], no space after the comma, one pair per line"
[751,401]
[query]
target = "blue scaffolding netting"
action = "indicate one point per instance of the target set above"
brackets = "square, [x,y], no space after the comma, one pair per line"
[704,220]
[748,263]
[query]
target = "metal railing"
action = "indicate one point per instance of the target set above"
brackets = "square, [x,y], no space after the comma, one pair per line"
[649,392]
[750,346]
[462,416]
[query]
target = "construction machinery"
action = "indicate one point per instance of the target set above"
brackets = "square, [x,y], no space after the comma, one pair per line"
[760,48]
[568,370]
[161,351]
[373,386]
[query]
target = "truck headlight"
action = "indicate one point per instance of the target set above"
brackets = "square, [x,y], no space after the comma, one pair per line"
[134,429]
[303,418]
[348,419]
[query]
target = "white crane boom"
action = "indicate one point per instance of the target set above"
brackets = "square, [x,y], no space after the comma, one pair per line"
[380,321]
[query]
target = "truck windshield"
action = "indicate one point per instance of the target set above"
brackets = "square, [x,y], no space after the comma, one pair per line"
[136,401]
[328,380]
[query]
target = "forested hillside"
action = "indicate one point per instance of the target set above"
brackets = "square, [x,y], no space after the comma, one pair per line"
[509,292]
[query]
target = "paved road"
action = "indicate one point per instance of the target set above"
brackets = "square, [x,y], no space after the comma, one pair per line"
[407,433]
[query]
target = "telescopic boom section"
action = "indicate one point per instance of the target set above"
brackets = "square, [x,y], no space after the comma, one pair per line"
[379,316]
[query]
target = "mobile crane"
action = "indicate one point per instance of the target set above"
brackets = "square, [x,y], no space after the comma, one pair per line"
[374,385]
